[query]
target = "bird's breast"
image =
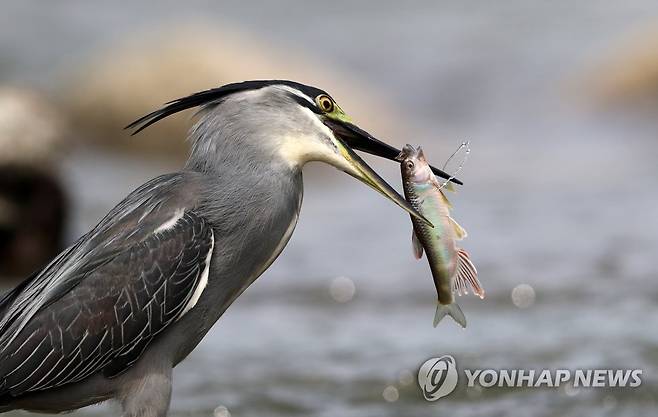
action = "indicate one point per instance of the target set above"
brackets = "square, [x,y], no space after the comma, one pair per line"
[287,234]
[251,229]
[253,232]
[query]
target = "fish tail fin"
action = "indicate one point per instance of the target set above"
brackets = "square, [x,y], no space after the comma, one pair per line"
[467,276]
[451,310]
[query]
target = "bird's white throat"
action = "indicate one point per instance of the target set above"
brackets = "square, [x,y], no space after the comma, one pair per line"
[317,144]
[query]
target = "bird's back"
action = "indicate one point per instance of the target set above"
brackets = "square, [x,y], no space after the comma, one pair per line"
[181,241]
[59,314]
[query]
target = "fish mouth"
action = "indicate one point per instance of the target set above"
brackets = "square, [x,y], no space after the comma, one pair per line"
[358,139]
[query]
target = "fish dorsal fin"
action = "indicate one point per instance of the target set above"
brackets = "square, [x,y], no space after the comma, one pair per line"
[445,200]
[460,233]
[416,245]
[439,185]
[467,276]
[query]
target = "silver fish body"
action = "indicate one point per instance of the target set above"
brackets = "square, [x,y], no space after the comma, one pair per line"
[438,241]
[452,269]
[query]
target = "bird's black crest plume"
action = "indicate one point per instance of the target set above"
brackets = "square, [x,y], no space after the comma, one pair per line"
[213,95]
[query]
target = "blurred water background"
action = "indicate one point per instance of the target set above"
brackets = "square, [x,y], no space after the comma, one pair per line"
[560,195]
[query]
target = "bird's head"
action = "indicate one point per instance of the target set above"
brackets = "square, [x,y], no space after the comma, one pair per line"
[296,122]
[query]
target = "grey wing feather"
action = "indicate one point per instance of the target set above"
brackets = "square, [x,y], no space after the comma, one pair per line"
[121,300]
[108,319]
[107,239]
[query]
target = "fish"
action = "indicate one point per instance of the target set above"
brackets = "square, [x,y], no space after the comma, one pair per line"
[452,270]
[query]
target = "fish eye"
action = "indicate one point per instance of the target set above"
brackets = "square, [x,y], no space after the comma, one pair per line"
[325,103]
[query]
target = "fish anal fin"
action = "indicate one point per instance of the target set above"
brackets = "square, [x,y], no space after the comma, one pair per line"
[467,276]
[416,245]
[460,233]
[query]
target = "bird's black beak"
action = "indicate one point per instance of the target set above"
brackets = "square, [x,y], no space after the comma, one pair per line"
[359,139]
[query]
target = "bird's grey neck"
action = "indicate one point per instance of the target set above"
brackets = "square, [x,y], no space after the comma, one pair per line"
[225,145]
[241,166]
[252,201]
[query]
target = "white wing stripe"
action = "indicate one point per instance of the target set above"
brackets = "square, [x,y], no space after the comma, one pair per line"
[203,281]
[171,222]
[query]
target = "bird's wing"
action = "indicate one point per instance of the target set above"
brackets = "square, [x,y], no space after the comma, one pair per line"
[100,312]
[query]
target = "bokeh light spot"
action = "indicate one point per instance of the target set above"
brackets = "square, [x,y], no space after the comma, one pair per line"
[523,296]
[406,378]
[221,411]
[391,394]
[342,289]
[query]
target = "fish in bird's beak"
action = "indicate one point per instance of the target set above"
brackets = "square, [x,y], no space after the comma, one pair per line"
[359,139]
[362,171]
[349,137]
[357,167]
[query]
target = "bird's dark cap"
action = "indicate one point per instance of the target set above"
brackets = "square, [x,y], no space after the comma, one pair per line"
[211,96]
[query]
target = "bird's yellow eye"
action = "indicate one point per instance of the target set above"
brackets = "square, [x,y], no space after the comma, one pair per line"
[325,103]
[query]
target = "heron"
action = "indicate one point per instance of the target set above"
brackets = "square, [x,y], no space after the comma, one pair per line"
[114,313]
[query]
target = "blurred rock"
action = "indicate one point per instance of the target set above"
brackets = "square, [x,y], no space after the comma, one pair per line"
[131,79]
[32,202]
[33,209]
[629,74]
[31,128]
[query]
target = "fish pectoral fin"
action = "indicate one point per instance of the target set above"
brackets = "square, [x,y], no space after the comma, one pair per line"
[467,276]
[460,233]
[416,245]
